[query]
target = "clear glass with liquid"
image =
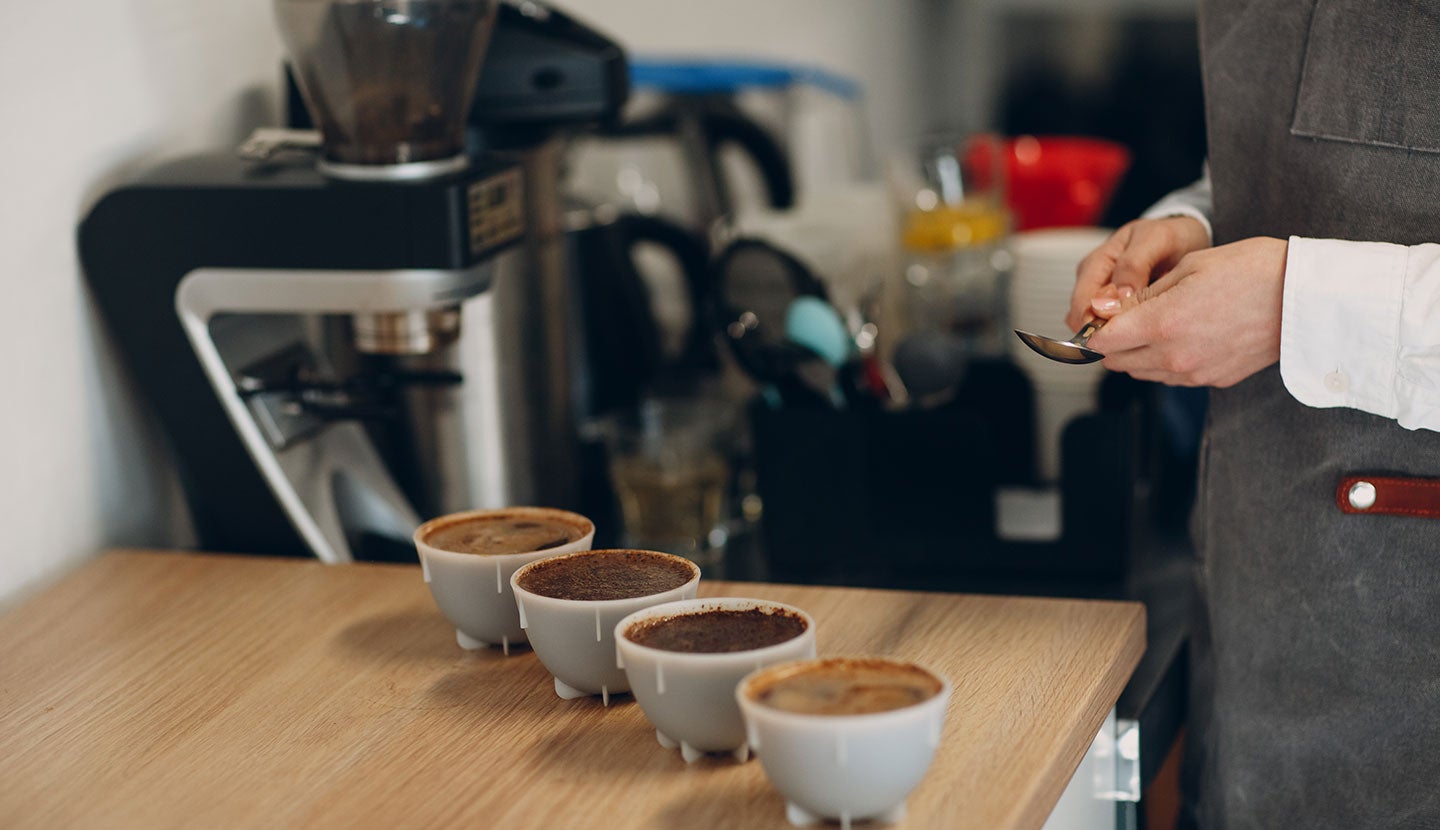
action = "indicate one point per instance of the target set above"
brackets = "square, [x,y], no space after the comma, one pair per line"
[670,470]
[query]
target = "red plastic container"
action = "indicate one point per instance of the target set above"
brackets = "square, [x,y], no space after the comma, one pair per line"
[1061,181]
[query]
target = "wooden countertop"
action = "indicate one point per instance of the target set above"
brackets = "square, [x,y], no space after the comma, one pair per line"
[152,689]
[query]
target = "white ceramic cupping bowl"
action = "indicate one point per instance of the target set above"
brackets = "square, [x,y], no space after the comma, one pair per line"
[575,639]
[843,767]
[473,590]
[690,697]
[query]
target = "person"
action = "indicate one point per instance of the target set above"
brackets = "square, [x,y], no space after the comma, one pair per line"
[1300,279]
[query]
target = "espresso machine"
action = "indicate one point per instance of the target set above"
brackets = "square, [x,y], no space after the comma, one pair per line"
[348,329]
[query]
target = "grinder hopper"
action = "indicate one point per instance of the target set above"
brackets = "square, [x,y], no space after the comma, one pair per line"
[388,82]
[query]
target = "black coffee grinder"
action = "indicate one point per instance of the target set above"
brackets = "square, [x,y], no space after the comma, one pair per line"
[345,331]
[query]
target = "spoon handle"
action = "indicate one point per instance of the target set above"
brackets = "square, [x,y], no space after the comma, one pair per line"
[1083,335]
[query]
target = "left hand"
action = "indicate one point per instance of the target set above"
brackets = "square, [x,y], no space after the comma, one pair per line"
[1212,320]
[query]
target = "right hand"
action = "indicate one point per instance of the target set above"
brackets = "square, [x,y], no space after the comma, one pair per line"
[1137,253]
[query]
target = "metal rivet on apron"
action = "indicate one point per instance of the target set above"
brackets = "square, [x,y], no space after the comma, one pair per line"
[1362,495]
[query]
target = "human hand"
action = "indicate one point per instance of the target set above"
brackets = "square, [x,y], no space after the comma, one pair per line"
[1134,255]
[1213,320]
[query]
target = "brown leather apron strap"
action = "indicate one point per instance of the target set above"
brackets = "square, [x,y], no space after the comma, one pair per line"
[1390,496]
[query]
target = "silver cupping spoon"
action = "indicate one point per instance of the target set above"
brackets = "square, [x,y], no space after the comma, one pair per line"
[1066,351]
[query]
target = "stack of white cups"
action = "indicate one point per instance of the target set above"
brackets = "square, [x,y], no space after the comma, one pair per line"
[1044,276]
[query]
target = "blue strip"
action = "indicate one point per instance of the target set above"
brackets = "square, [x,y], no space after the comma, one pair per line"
[702,76]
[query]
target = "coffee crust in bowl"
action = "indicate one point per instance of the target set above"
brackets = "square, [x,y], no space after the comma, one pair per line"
[845,686]
[718,630]
[606,575]
[505,531]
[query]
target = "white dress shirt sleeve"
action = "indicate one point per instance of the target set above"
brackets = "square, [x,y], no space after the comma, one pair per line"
[1360,328]
[1194,201]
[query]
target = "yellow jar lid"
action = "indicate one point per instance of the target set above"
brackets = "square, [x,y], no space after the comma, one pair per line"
[948,227]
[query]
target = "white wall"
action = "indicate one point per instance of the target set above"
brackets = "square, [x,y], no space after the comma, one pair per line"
[97,88]
[93,89]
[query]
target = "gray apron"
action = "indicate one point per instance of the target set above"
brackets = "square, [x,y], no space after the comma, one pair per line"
[1316,697]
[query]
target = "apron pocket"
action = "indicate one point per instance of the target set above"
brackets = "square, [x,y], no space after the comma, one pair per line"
[1371,75]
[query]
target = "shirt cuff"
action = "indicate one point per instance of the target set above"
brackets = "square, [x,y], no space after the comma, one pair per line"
[1339,321]
[1167,208]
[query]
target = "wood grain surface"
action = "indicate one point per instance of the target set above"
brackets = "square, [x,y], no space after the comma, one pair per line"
[153,689]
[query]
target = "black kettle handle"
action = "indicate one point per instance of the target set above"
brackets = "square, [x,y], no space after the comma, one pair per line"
[757,143]
[693,255]
[723,126]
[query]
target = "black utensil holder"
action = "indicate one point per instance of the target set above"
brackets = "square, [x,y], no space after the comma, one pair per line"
[910,495]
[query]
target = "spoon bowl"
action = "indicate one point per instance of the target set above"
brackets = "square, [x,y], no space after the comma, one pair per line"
[1073,350]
